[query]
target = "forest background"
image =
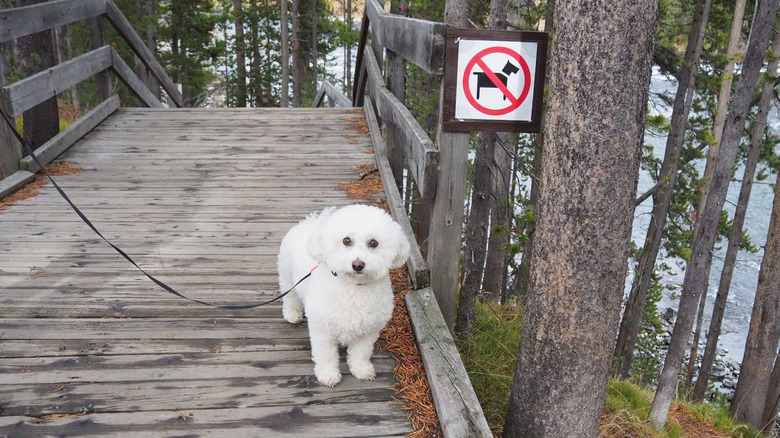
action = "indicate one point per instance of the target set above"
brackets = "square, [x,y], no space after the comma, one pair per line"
[230,53]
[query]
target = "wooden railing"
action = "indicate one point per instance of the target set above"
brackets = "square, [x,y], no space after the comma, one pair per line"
[335,98]
[25,94]
[406,144]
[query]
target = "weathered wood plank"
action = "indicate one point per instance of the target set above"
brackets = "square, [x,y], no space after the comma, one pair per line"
[218,393]
[456,404]
[27,20]
[127,75]
[114,15]
[25,94]
[65,139]
[418,41]
[321,420]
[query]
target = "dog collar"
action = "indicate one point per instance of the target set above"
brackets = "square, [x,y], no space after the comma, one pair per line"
[336,275]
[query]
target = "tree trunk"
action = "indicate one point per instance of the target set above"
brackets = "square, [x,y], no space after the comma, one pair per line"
[238,19]
[522,274]
[285,101]
[764,333]
[298,62]
[717,131]
[635,304]
[255,79]
[36,51]
[314,38]
[735,236]
[599,81]
[772,405]
[476,236]
[497,257]
[151,44]
[698,268]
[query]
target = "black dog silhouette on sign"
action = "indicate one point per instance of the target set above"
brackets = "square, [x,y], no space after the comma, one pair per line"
[483,81]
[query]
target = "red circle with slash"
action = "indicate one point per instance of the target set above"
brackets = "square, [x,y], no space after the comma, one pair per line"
[514,102]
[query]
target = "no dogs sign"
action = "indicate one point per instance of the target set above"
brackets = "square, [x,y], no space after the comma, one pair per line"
[494,80]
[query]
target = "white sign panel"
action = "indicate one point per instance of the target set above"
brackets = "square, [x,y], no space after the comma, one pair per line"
[495,81]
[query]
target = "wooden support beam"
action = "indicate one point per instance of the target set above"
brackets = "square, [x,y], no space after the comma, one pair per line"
[135,42]
[128,76]
[25,94]
[446,217]
[27,20]
[68,137]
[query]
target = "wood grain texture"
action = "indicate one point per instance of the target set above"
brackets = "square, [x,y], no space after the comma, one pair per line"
[201,199]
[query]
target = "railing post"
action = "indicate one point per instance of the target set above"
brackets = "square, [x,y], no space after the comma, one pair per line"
[10,152]
[97,28]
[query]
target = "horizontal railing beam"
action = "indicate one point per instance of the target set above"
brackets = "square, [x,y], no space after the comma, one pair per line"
[420,42]
[27,20]
[70,135]
[25,94]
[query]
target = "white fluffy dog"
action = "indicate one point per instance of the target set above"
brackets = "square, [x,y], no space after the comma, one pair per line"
[348,299]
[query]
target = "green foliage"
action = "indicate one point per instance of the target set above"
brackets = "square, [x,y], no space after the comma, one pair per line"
[489,356]
[646,363]
[625,413]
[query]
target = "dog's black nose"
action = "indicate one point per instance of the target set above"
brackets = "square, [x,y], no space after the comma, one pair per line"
[358,265]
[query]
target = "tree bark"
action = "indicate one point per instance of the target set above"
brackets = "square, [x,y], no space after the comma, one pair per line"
[238,20]
[283,20]
[772,405]
[599,81]
[635,304]
[735,236]
[704,236]
[764,333]
[476,236]
[298,63]
[717,130]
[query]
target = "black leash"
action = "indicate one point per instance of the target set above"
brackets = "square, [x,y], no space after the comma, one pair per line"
[119,250]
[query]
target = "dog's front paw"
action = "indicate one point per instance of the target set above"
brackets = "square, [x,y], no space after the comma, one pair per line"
[363,371]
[293,316]
[327,376]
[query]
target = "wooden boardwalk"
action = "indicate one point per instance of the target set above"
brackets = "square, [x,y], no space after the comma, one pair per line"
[201,199]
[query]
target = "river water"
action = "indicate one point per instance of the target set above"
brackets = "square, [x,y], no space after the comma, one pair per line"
[736,319]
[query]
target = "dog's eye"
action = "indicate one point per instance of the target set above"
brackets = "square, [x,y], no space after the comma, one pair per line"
[373,243]
[347,241]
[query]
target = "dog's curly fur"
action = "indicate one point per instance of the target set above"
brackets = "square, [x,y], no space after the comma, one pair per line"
[348,299]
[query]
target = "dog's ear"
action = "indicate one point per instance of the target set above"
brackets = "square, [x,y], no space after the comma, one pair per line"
[314,247]
[403,250]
